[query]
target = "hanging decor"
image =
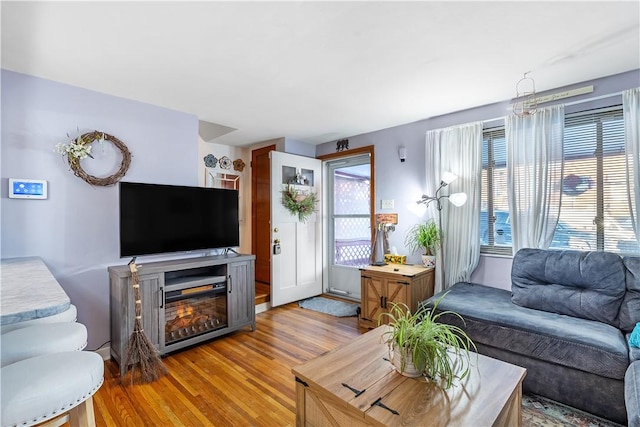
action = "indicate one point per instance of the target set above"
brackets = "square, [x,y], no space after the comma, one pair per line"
[210,161]
[297,203]
[525,102]
[142,359]
[238,165]
[224,162]
[80,148]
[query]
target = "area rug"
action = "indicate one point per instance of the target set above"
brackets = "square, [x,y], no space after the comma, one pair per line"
[330,306]
[538,411]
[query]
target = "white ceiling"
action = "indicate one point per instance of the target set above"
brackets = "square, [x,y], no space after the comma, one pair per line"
[318,71]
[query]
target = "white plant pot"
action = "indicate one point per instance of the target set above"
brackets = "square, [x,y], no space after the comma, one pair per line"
[409,368]
[429,261]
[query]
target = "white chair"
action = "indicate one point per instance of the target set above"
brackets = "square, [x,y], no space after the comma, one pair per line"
[45,338]
[69,315]
[53,388]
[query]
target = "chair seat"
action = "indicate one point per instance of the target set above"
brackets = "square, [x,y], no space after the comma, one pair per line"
[41,339]
[38,389]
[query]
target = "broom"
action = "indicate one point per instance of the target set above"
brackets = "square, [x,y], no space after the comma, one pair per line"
[142,359]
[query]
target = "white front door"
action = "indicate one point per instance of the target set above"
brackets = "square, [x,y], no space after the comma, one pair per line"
[296,245]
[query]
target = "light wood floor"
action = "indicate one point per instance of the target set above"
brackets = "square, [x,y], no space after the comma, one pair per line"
[242,379]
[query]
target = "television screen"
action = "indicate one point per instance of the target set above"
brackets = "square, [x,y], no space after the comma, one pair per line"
[158,218]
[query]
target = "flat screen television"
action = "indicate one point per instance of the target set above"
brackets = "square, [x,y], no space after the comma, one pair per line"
[157,218]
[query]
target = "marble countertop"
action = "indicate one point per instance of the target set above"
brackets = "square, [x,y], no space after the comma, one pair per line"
[28,291]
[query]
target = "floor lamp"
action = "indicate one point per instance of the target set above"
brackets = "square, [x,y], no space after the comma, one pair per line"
[456,199]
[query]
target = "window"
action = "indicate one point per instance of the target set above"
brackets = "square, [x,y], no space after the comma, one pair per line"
[495,230]
[595,206]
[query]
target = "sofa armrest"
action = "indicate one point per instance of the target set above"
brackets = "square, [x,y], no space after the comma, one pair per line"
[632,394]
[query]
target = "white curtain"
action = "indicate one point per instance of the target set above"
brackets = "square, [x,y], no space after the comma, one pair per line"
[631,109]
[457,150]
[534,176]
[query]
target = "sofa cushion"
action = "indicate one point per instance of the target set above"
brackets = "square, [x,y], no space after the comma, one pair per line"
[632,394]
[492,319]
[630,308]
[590,285]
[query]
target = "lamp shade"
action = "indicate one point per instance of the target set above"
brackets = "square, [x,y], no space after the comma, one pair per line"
[458,199]
[449,177]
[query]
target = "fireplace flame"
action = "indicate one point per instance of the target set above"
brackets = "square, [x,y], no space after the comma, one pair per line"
[184,310]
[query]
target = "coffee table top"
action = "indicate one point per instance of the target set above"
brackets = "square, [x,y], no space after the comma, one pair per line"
[363,365]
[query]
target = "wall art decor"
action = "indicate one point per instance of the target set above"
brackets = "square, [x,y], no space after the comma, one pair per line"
[238,165]
[80,148]
[225,162]
[210,161]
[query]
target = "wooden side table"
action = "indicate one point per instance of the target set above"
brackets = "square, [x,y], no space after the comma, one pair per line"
[392,283]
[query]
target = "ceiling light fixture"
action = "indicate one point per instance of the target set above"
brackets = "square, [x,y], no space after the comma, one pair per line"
[525,102]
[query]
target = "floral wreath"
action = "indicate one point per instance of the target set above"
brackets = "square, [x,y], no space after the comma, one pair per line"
[298,203]
[80,148]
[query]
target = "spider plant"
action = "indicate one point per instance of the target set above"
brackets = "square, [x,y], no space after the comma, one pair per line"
[424,236]
[437,350]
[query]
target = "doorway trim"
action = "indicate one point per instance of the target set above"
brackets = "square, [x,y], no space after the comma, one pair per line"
[368,149]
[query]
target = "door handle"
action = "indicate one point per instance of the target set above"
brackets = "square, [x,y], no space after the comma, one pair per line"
[382,302]
[230,284]
[161,297]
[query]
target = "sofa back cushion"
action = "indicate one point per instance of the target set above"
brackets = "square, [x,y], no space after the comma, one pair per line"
[630,308]
[590,285]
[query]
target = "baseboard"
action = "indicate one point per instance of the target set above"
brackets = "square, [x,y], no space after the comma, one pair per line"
[261,308]
[104,352]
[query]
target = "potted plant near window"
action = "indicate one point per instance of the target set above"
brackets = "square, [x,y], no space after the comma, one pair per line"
[420,345]
[426,237]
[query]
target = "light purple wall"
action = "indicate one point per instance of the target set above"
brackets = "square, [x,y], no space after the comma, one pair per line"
[405,182]
[75,231]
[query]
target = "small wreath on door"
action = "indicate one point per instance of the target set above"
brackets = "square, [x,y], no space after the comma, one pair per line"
[297,203]
[80,148]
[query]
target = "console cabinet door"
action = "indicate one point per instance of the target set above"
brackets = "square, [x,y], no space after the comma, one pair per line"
[372,297]
[150,299]
[241,294]
[123,312]
[397,293]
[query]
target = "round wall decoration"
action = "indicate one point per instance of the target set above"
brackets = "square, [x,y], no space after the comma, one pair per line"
[210,161]
[300,204]
[238,165]
[224,162]
[80,148]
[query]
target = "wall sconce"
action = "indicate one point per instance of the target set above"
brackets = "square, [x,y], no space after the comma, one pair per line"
[402,153]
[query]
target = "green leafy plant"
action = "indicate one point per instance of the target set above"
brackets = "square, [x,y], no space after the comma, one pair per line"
[298,203]
[424,236]
[437,350]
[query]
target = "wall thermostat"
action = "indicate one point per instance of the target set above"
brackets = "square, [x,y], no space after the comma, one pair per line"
[27,188]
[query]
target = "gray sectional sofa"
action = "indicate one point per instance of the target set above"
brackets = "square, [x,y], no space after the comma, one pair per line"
[567,320]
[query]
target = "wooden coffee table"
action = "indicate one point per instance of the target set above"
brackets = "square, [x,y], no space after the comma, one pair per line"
[356,385]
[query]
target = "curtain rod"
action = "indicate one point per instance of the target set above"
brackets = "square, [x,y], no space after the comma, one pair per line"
[580,101]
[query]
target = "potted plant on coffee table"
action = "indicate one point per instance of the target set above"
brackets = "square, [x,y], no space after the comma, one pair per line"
[419,345]
[425,237]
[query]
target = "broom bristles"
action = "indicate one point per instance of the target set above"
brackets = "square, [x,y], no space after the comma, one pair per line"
[142,359]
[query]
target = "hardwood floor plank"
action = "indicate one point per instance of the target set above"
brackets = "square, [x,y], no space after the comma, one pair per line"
[241,379]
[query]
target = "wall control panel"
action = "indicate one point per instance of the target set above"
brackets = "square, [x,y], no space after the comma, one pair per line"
[27,188]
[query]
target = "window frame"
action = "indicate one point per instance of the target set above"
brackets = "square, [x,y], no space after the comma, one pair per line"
[599,115]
